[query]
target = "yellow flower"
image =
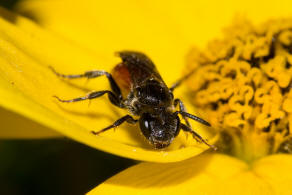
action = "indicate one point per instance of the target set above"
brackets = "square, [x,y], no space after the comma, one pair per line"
[243,84]
[246,88]
[77,37]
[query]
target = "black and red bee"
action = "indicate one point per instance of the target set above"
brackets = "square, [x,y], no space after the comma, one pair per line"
[137,86]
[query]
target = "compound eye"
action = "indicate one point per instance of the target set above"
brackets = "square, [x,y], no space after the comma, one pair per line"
[145,123]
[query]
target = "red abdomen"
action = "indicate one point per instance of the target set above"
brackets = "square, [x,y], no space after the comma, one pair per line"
[122,77]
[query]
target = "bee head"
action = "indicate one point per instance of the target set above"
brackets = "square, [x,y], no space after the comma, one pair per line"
[160,129]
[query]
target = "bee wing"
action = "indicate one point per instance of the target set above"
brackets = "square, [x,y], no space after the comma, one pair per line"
[140,67]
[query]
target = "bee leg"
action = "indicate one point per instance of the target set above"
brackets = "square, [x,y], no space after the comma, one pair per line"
[196,135]
[183,109]
[112,97]
[181,80]
[127,118]
[93,74]
[198,119]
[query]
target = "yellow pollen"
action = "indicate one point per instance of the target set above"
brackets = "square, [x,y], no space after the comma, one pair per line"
[242,84]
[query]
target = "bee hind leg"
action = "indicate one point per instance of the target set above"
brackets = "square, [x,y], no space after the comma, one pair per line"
[112,97]
[127,118]
[93,74]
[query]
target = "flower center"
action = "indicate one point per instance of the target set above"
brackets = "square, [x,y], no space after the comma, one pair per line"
[243,85]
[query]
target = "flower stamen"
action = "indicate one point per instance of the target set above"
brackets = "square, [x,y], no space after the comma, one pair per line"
[243,83]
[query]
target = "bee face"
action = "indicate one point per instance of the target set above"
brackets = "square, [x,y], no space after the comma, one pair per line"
[160,129]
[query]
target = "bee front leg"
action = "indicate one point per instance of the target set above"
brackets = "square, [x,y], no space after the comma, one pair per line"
[183,109]
[196,136]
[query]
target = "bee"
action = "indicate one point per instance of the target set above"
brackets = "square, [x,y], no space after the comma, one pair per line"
[137,86]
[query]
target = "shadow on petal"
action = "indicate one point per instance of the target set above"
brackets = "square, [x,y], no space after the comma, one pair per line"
[14,126]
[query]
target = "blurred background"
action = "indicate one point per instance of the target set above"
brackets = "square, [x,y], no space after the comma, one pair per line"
[53,166]
[8,3]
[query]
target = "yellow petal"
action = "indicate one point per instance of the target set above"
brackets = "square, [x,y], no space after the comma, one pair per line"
[204,174]
[27,86]
[14,126]
[164,29]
